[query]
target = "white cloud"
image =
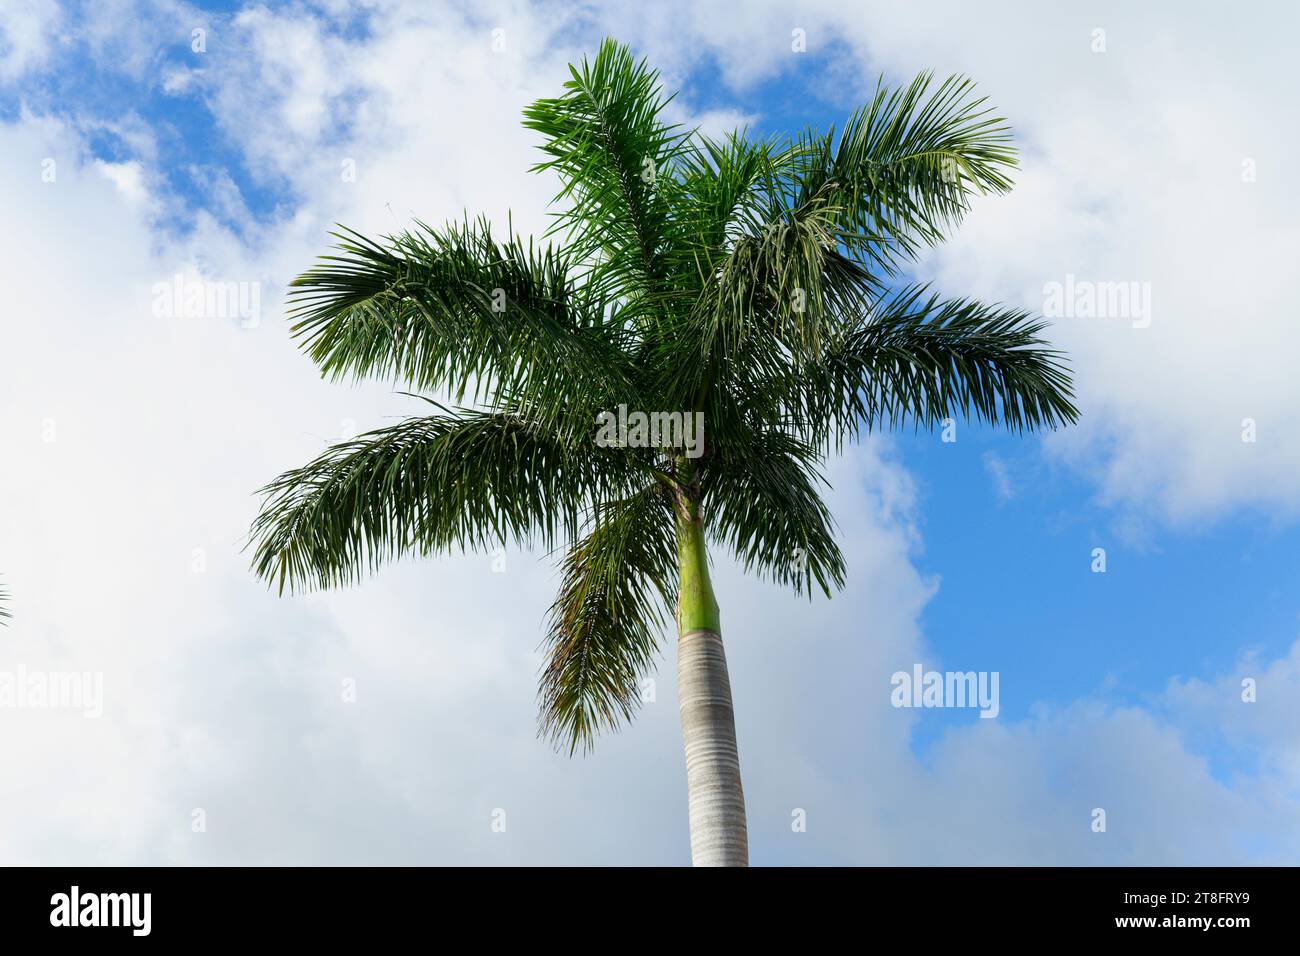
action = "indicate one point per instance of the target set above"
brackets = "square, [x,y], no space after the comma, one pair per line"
[28,29]
[997,470]
[180,80]
[127,177]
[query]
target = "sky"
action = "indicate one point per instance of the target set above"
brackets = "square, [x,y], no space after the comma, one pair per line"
[146,144]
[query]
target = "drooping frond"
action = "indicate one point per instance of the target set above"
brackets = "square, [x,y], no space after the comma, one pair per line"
[926,359]
[763,501]
[423,485]
[4,604]
[605,623]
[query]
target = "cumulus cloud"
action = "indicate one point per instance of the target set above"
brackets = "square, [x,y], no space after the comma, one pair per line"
[28,30]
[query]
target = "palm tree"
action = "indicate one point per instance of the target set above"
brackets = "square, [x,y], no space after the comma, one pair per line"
[4,602]
[755,282]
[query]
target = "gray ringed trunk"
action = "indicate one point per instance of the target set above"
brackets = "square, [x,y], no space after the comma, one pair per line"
[719,835]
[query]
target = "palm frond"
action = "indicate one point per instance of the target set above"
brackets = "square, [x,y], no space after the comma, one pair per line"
[789,282]
[905,165]
[725,190]
[609,145]
[424,485]
[763,501]
[927,359]
[605,623]
[454,308]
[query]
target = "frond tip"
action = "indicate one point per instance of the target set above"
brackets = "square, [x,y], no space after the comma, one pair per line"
[605,623]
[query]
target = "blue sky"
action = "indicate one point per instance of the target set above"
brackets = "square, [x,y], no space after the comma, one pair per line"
[982,560]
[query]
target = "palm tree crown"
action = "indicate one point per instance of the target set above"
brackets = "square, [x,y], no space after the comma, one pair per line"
[754,281]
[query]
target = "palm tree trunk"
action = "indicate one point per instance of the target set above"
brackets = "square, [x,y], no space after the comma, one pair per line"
[717,803]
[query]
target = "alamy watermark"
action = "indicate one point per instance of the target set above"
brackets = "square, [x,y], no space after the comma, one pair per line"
[132,911]
[1085,299]
[53,690]
[183,298]
[624,429]
[922,688]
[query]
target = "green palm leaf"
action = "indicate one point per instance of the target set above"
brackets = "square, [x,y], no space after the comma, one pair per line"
[425,485]
[927,359]
[454,308]
[608,143]
[604,625]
